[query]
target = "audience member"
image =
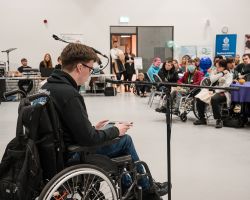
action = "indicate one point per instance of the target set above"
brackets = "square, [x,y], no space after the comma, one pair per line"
[47,62]
[154,68]
[141,89]
[241,66]
[130,68]
[168,73]
[22,84]
[117,56]
[177,67]
[237,59]
[184,63]
[197,63]
[222,78]
[231,67]
[192,76]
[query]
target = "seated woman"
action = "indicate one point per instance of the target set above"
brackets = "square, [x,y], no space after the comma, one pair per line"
[192,76]
[167,74]
[221,77]
[46,62]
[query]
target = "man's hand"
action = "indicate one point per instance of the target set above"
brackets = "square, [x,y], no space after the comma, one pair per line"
[225,71]
[123,127]
[101,124]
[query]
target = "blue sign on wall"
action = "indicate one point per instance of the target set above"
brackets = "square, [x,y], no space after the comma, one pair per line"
[226,45]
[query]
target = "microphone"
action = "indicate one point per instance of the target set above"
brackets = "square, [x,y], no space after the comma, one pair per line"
[96,51]
[55,37]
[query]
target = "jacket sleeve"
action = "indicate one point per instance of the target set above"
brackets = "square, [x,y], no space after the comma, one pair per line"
[175,77]
[182,79]
[83,133]
[161,75]
[215,77]
[198,78]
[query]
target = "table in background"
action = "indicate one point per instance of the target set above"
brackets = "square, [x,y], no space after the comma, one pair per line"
[11,83]
[242,97]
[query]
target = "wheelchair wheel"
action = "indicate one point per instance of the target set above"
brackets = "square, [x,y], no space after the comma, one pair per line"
[79,182]
[183,117]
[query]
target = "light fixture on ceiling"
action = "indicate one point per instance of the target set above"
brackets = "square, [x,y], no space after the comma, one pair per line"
[125,36]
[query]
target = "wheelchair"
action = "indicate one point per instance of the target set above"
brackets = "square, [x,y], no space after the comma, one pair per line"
[91,176]
[187,102]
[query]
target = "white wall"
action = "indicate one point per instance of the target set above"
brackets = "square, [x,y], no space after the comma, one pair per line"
[22,26]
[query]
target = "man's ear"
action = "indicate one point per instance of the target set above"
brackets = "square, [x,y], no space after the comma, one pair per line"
[78,67]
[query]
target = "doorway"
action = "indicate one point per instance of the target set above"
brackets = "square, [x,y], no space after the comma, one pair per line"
[146,42]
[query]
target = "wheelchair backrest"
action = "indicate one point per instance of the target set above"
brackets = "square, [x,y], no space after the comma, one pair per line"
[206,82]
[157,79]
[42,125]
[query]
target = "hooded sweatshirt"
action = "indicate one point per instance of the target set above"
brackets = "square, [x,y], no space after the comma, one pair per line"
[77,129]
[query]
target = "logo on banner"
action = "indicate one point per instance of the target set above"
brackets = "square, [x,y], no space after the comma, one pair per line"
[226,45]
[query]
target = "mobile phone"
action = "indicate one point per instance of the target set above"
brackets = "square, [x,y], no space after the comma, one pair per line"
[108,125]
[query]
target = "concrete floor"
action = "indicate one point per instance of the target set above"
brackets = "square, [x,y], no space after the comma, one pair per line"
[207,163]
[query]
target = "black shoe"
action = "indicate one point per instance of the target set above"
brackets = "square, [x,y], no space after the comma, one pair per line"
[161,109]
[150,196]
[219,123]
[161,188]
[200,122]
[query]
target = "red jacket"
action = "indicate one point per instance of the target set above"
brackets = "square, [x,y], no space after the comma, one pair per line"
[196,79]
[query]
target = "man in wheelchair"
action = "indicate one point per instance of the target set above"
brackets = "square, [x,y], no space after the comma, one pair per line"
[219,77]
[77,65]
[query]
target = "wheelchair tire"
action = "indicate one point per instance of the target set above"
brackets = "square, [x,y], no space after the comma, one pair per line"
[195,110]
[80,182]
[183,117]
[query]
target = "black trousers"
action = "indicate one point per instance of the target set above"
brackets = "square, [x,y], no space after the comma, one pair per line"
[127,77]
[216,102]
[27,83]
[140,88]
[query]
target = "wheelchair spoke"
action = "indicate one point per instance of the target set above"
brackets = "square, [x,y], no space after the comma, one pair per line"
[81,184]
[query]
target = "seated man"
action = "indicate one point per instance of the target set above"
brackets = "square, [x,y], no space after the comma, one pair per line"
[27,83]
[219,77]
[77,65]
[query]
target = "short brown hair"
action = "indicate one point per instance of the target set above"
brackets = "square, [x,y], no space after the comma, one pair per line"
[74,53]
[23,60]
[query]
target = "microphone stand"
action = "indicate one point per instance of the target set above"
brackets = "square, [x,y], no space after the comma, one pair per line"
[8,57]
[168,115]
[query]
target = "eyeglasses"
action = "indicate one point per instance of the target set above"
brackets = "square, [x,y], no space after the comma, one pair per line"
[91,69]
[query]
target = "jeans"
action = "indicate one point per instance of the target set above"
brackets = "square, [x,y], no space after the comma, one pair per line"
[216,102]
[125,146]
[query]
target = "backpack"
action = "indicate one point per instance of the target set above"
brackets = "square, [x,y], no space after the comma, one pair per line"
[35,155]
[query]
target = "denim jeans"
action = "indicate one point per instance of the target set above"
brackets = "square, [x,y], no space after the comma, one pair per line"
[125,146]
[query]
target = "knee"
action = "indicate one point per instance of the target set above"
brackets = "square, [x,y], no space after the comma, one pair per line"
[127,139]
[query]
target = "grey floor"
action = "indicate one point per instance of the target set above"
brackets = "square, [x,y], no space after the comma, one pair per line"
[207,163]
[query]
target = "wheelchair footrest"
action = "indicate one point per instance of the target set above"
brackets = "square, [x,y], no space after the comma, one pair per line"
[123,160]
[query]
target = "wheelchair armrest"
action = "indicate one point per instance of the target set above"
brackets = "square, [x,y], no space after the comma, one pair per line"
[89,149]
[122,160]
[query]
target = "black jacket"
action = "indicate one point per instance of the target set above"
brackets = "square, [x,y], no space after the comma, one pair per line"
[168,75]
[77,128]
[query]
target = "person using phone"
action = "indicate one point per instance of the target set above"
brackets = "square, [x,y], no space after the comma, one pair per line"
[77,65]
